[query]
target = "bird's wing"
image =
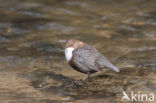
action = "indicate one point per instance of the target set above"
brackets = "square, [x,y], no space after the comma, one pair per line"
[86,58]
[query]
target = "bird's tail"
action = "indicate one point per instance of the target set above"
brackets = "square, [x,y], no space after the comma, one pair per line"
[115,68]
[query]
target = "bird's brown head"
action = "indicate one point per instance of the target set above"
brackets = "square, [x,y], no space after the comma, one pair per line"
[74,43]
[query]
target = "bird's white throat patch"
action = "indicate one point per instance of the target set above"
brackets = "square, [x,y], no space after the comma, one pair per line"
[69,53]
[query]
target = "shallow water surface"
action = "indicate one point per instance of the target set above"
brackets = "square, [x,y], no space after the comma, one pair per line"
[32,36]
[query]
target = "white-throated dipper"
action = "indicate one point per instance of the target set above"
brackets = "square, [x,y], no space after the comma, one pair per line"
[86,59]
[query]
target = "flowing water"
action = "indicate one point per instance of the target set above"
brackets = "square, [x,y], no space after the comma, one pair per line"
[32,36]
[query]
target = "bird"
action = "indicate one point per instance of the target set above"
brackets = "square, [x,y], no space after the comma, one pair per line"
[86,59]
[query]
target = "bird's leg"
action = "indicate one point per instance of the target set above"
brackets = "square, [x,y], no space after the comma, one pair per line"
[87,76]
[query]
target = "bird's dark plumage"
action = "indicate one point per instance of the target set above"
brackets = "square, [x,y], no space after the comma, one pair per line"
[87,59]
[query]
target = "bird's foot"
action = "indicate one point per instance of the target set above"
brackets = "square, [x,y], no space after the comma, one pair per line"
[87,77]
